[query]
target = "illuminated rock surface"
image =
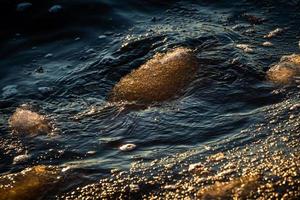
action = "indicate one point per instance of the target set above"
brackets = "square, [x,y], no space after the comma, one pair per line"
[286,71]
[24,121]
[159,79]
[30,183]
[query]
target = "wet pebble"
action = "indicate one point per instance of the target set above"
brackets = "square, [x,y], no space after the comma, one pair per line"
[274,33]
[127,147]
[245,47]
[91,152]
[20,158]
[267,44]
[101,37]
[9,91]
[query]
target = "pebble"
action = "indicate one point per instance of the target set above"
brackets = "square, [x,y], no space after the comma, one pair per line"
[267,44]
[127,147]
[23,6]
[91,152]
[20,158]
[101,36]
[9,91]
[55,9]
[245,47]
[274,33]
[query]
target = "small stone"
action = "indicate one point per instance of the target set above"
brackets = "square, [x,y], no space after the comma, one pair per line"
[23,6]
[267,44]
[245,47]
[274,33]
[127,147]
[101,37]
[20,158]
[55,9]
[91,152]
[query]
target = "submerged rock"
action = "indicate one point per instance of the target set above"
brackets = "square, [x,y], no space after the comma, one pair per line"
[30,183]
[286,71]
[28,122]
[159,79]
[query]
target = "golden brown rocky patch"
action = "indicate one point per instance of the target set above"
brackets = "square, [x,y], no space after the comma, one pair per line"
[159,79]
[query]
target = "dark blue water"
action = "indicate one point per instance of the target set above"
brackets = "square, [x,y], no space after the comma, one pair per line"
[85,47]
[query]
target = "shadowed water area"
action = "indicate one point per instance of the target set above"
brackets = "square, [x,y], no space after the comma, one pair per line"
[76,67]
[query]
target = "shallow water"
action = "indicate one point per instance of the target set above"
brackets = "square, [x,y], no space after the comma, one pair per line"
[66,63]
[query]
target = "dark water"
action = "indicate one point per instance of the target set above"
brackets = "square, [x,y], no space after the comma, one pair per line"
[87,46]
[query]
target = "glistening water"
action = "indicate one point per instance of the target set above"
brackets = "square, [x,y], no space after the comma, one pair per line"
[63,61]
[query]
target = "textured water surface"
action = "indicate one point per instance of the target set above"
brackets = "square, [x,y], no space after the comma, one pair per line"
[62,62]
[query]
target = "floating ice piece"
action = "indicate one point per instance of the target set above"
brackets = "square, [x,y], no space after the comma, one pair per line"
[55,9]
[23,6]
[26,121]
[9,91]
[127,147]
[245,47]
[274,33]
